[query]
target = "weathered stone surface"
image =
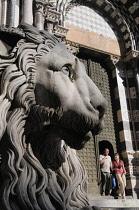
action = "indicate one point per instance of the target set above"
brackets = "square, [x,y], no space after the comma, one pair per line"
[46,97]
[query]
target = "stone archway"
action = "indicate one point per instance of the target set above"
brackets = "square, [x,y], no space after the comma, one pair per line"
[124,76]
[116,14]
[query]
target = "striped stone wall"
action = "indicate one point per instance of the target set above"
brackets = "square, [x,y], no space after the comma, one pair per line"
[122,16]
[127,115]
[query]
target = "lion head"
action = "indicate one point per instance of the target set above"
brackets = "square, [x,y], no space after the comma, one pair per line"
[46,97]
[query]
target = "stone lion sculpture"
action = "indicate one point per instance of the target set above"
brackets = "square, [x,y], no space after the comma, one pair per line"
[48,105]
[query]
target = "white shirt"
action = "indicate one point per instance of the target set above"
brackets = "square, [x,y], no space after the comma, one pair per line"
[105,166]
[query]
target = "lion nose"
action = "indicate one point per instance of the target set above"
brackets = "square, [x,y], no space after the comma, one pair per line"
[101,107]
[102,110]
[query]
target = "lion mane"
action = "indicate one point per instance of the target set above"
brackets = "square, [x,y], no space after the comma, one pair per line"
[60,182]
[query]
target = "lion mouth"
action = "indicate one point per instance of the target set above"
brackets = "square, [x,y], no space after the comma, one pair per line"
[76,139]
[76,130]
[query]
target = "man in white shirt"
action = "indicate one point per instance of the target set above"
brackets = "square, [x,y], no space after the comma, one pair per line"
[106,165]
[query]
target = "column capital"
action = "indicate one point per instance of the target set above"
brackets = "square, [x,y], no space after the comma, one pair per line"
[112,61]
[52,16]
[73,47]
[130,55]
[115,59]
[39,4]
[60,31]
[134,153]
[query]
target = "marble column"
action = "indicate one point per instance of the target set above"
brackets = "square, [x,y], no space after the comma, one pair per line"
[51,20]
[27,11]
[0,12]
[135,67]
[17,14]
[4,13]
[49,27]
[39,17]
[12,13]
[132,66]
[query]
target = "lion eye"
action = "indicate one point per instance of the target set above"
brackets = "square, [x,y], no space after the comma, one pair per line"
[66,70]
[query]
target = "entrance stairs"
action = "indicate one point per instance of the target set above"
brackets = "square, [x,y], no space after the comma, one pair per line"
[110,203]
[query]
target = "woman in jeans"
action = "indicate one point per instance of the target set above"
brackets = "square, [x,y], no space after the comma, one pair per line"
[120,172]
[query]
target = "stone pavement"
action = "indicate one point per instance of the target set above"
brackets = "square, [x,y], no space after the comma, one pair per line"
[109,203]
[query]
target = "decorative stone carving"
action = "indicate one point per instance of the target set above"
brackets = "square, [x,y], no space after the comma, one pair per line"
[136,115]
[114,59]
[133,92]
[52,18]
[73,47]
[52,15]
[130,74]
[131,54]
[16,31]
[39,14]
[112,62]
[41,92]
[60,32]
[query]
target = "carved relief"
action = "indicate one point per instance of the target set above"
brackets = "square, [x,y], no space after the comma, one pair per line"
[136,115]
[130,73]
[131,54]
[133,92]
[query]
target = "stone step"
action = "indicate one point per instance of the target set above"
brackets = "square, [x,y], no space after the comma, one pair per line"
[109,203]
[120,208]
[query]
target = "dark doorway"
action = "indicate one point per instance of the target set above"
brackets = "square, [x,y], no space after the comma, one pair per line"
[106,144]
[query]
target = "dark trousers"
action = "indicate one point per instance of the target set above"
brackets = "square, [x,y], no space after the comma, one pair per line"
[106,182]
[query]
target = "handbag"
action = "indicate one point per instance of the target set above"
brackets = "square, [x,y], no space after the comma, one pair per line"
[113,181]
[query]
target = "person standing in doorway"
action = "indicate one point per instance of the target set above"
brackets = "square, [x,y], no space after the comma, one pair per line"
[120,172]
[106,165]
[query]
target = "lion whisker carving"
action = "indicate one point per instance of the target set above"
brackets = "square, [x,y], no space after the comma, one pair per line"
[43,113]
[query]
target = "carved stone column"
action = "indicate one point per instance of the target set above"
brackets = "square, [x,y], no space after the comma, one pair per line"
[12,13]
[4,12]
[73,47]
[0,12]
[126,76]
[61,7]
[51,19]
[27,11]
[17,14]
[49,27]
[124,112]
[125,122]
[39,17]
[132,66]
[132,59]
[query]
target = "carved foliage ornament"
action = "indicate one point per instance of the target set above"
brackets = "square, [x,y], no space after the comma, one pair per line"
[46,96]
